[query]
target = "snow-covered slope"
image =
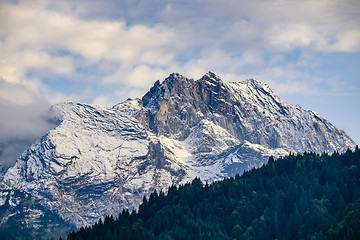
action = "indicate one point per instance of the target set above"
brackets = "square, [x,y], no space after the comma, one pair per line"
[98,161]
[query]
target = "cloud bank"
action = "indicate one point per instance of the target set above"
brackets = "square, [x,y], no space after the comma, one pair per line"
[24,118]
[104,52]
[129,44]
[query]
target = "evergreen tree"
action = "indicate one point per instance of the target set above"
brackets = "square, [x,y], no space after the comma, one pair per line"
[307,196]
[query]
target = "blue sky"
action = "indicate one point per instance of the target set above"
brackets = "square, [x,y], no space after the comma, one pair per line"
[102,52]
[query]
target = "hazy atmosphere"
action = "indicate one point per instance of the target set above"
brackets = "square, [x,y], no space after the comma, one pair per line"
[103,52]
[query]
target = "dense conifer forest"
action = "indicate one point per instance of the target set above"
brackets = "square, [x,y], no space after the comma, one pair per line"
[306,196]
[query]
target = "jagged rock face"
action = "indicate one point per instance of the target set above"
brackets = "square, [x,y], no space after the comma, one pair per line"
[164,114]
[98,161]
[248,110]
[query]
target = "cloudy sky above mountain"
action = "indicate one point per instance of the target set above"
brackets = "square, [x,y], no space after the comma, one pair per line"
[102,52]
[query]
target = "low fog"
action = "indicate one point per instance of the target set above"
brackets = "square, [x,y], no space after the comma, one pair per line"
[24,118]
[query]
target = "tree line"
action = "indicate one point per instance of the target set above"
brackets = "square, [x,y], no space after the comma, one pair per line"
[300,196]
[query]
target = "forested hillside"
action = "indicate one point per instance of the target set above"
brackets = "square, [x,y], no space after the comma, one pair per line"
[307,196]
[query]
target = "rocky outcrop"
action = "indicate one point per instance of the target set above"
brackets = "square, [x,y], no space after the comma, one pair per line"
[98,161]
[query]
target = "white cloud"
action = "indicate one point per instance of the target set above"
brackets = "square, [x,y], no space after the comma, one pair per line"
[287,80]
[287,37]
[61,38]
[43,29]
[143,75]
[16,94]
[102,101]
[24,118]
[10,72]
[349,41]
[104,52]
[39,43]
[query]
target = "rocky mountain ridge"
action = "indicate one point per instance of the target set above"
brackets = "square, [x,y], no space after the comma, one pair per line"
[98,161]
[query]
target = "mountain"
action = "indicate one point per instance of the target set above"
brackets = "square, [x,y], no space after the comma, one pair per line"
[98,160]
[308,196]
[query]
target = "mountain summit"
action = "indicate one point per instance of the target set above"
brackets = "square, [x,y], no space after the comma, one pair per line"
[98,160]
[248,110]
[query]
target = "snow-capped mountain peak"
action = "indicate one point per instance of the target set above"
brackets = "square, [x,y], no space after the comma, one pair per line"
[212,76]
[98,161]
[257,84]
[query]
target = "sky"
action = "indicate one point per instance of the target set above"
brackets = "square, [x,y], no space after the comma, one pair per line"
[103,52]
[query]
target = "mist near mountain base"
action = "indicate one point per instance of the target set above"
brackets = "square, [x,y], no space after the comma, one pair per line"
[24,118]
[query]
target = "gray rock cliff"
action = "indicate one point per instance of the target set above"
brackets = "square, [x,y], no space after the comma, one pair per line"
[98,161]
